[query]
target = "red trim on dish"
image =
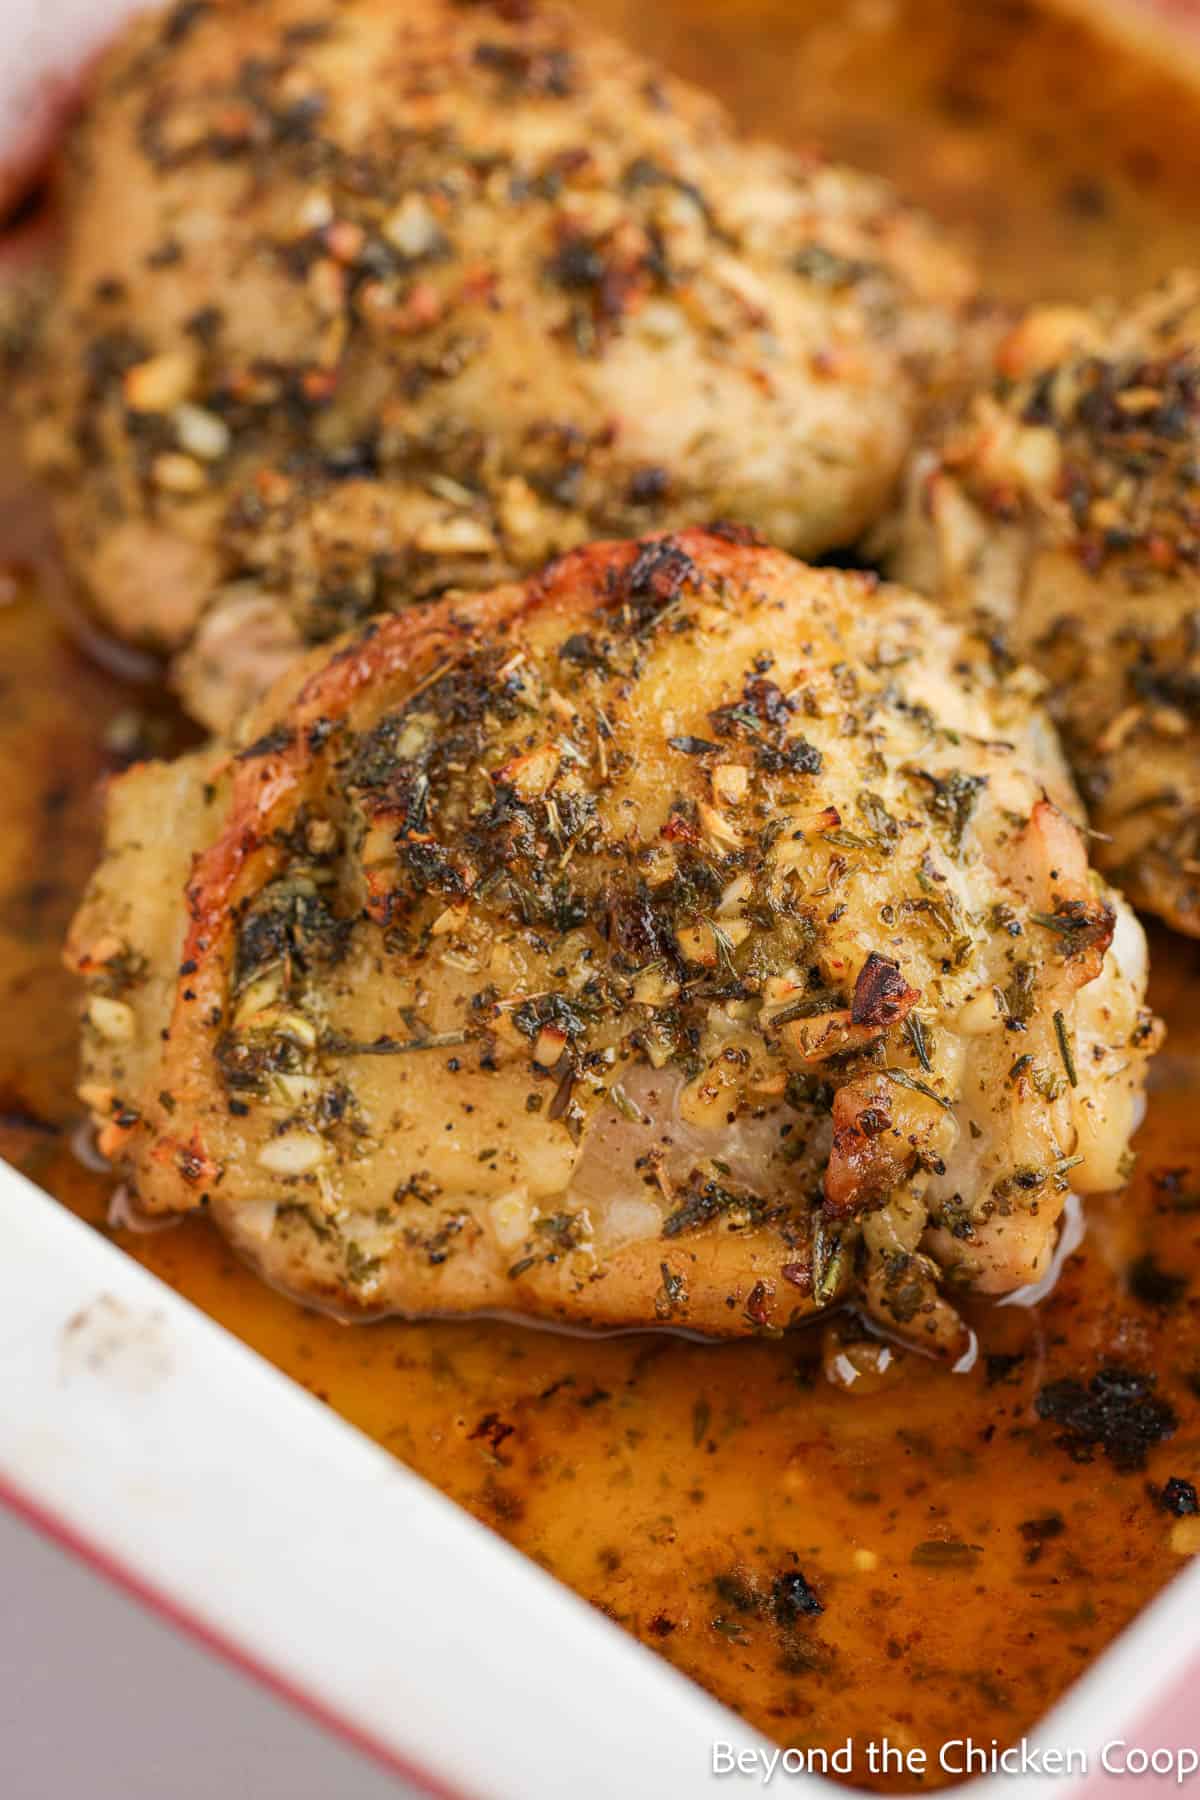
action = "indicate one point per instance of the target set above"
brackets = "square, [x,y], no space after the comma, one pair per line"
[113,1569]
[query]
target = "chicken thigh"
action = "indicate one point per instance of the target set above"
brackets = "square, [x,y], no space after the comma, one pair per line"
[1063,509]
[366,302]
[684,936]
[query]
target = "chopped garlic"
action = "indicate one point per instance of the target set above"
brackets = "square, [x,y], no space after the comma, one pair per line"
[295,1153]
[411,228]
[178,474]
[161,382]
[462,536]
[729,783]
[200,432]
[113,1019]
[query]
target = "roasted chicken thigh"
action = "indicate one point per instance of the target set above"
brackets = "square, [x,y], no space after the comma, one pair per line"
[367,302]
[683,936]
[1063,509]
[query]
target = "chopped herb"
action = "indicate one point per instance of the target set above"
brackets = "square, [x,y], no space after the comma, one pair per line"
[831,1262]
[334,1044]
[1179,1497]
[1021,992]
[903,1079]
[693,746]
[952,801]
[945,1553]
[1064,1048]
[914,1030]
[625,1106]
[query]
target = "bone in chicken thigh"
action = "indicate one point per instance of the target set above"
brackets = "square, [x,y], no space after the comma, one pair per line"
[1062,509]
[369,302]
[685,936]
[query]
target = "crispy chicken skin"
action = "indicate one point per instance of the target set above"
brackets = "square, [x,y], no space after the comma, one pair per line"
[683,936]
[367,302]
[1064,507]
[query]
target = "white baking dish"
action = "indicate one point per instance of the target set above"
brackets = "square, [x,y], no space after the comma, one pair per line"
[157,1447]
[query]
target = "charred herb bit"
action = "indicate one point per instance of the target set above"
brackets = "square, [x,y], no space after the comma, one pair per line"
[248,1063]
[672,1295]
[794,756]
[707,1200]
[1064,1048]
[1179,1497]
[272,743]
[553,1010]
[1021,994]
[763,703]
[534,72]
[828,269]
[644,172]
[126,968]
[419,1186]
[562,1232]
[289,922]
[577,263]
[792,1598]
[584,651]
[1079,925]
[952,801]
[692,746]
[762,715]
[492,1430]
[1117,1412]
[658,574]
[1152,1285]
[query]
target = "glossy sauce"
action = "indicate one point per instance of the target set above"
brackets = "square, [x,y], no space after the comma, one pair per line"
[968,1565]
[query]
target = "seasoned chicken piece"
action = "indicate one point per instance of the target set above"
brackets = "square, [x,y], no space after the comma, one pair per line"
[685,936]
[367,302]
[1064,509]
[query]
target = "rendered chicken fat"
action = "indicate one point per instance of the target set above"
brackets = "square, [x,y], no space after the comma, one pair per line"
[684,936]
[408,299]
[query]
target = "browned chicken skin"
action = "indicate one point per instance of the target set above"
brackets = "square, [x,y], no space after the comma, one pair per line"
[685,936]
[370,302]
[1063,508]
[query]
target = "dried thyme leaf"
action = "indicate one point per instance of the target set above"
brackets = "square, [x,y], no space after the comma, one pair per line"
[903,1079]
[1064,1048]
[914,1031]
